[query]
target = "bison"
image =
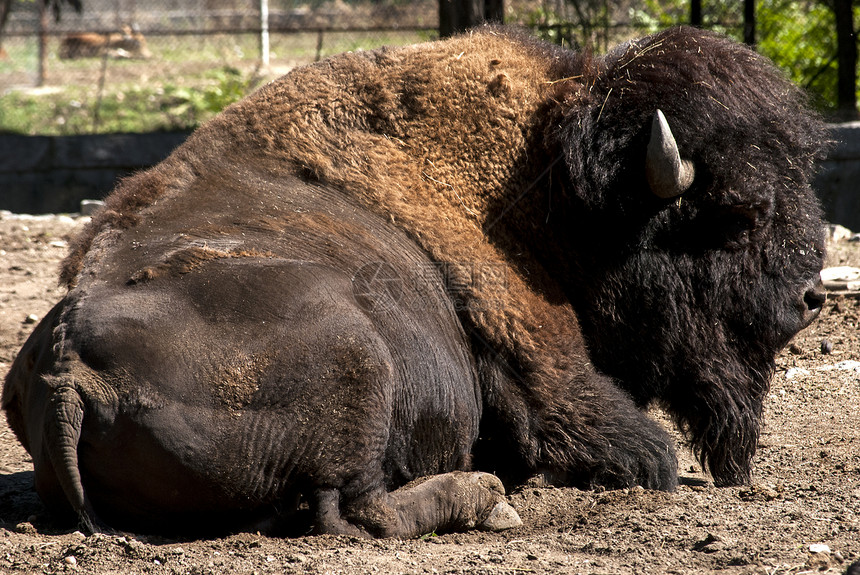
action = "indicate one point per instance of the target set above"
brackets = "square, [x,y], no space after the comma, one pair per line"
[387,275]
[129,43]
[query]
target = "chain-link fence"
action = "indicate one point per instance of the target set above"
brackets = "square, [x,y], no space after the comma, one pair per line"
[169,64]
[171,37]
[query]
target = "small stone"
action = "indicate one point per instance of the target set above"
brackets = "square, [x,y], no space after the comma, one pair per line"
[502,517]
[837,233]
[26,528]
[88,207]
[826,346]
[819,548]
[796,372]
[31,319]
[70,560]
[713,543]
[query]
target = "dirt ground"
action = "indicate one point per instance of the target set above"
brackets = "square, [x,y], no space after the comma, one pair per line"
[800,515]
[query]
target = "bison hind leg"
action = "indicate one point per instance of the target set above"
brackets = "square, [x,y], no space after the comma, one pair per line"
[455,501]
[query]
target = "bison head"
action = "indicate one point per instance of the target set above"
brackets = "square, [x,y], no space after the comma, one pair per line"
[688,181]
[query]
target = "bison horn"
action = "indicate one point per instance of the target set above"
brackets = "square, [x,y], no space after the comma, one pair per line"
[668,175]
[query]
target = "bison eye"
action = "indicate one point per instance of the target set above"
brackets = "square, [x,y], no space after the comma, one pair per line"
[734,226]
[731,227]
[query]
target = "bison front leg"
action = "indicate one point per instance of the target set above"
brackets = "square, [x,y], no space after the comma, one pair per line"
[454,501]
[583,431]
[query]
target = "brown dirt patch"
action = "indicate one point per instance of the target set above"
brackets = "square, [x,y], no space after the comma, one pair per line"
[806,489]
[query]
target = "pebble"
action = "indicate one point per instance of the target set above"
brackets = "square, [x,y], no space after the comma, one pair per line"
[795,372]
[31,319]
[837,233]
[26,528]
[841,278]
[826,346]
[819,548]
[714,542]
[70,560]
[847,365]
[88,207]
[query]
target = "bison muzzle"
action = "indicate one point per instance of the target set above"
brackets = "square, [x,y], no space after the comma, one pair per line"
[390,269]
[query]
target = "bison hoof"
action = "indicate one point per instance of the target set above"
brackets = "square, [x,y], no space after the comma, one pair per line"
[488,481]
[502,517]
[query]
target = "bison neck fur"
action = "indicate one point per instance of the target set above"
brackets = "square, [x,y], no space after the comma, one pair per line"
[503,181]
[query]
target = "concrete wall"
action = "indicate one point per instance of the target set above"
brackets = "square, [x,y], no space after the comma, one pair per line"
[838,181]
[47,174]
[43,174]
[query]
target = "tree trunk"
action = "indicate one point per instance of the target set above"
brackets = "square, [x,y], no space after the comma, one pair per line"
[494,11]
[749,22]
[696,13]
[457,16]
[846,54]
[43,43]
[5,8]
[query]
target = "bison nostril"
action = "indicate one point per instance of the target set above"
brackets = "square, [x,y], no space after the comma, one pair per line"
[814,298]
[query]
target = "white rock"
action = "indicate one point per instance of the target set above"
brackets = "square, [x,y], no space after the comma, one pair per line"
[795,372]
[847,365]
[841,278]
[88,207]
[819,548]
[837,232]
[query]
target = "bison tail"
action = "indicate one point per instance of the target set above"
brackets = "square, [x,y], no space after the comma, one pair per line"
[63,421]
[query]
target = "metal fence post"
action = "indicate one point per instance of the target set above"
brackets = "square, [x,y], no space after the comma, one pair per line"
[264,34]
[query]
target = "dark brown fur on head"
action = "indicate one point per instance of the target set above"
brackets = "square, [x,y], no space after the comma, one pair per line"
[687,301]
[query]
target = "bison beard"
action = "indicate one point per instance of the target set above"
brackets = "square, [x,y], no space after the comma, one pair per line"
[484,253]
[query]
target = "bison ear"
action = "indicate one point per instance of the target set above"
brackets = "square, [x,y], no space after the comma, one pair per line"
[668,175]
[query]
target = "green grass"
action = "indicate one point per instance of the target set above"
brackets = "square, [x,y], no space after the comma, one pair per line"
[189,80]
[123,107]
